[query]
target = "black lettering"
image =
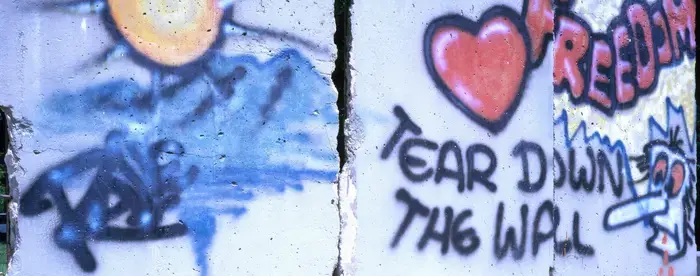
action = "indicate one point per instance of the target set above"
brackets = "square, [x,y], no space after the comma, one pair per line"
[582,249]
[430,233]
[618,187]
[606,168]
[581,180]
[562,247]
[469,234]
[442,171]
[510,240]
[414,207]
[559,181]
[525,184]
[539,237]
[407,161]
[475,175]
[405,124]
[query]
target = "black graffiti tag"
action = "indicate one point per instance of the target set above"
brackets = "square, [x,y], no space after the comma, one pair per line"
[413,157]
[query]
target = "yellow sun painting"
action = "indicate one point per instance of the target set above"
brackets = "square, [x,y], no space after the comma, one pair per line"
[169,32]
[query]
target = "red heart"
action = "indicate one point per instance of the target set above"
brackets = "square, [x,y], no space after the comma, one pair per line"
[481,65]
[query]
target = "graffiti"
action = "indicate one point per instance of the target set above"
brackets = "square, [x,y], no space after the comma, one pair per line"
[539,20]
[585,164]
[477,164]
[208,135]
[464,241]
[483,79]
[669,202]
[611,70]
[409,163]
[188,42]
[146,182]
[482,67]
[522,149]
[518,249]
[600,166]
[582,164]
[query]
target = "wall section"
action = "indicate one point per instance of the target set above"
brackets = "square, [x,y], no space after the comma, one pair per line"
[171,137]
[637,107]
[533,138]
[483,138]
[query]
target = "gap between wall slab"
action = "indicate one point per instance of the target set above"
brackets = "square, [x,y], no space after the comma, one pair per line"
[12,166]
[342,80]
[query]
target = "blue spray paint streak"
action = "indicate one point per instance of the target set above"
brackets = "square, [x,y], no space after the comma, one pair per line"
[678,111]
[240,152]
[604,141]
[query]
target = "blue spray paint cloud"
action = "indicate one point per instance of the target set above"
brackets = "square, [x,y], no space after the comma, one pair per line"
[201,147]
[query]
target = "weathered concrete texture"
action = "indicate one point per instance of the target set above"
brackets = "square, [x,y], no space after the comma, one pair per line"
[437,171]
[483,137]
[183,138]
[462,167]
[637,110]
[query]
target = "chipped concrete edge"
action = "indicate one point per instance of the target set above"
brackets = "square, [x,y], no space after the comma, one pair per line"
[17,127]
[354,134]
[348,189]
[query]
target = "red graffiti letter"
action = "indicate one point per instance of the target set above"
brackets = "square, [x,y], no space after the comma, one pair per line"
[540,22]
[624,90]
[570,46]
[646,62]
[665,55]
[681,22]
[602,56]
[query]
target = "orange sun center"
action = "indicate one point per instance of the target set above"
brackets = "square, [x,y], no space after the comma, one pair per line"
[169,32]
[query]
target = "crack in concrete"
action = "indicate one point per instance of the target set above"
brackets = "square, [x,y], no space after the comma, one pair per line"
[341,81]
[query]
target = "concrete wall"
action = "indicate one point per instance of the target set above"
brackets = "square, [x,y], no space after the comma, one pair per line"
[524,138]
[172,137]
[482,138]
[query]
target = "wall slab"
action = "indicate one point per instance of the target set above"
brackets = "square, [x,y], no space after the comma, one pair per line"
[171,137]
[524,138]
[632,105]
[456,120]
